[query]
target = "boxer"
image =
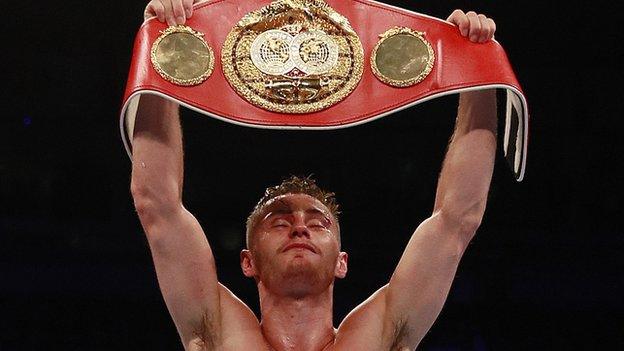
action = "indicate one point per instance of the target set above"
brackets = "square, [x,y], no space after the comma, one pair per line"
[293,249]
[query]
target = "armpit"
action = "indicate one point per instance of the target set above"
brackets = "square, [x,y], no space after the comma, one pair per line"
[206,333]
[400,337]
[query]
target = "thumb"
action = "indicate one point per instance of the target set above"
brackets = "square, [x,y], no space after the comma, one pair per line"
[154,9]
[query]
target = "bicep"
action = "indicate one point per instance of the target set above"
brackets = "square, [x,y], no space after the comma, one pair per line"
[421,281]
[186,273]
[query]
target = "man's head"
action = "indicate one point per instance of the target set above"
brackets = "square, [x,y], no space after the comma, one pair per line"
[293,239]
[292,185]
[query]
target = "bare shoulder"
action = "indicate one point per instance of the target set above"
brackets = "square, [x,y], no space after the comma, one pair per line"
[237,329]
[367,327]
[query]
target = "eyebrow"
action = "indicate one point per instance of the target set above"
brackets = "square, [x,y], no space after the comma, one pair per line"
[282,208]
[282,211]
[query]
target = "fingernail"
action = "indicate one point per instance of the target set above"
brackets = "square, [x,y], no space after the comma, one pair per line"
[474,38]
[464,32]
[188,13]
[180,20]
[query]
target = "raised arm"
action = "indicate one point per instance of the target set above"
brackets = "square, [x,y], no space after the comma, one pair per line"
[205,312]
[421,282]
[182,256]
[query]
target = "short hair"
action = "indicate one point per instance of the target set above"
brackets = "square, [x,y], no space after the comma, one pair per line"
[293,185]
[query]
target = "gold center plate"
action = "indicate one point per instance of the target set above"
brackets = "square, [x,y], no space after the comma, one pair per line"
[182,56]
[402,57]
[293,56]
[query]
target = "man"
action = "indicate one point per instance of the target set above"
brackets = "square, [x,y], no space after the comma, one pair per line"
[293,239]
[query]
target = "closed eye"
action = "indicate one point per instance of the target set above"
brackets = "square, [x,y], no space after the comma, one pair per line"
[280,223]
[316,224]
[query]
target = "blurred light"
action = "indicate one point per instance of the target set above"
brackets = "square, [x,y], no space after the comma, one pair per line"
[27,121]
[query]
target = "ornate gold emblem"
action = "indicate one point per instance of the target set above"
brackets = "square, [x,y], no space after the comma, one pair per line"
[402,57]
[293,56]
[182,56]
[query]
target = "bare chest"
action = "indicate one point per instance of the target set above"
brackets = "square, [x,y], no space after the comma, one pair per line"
[259,343]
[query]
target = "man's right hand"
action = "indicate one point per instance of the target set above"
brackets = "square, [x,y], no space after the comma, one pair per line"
[171,11]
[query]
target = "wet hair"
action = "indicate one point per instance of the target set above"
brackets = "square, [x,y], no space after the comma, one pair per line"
[293,185]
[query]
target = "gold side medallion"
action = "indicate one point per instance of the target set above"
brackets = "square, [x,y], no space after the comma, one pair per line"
[182,56]
[293,56]
[402,57]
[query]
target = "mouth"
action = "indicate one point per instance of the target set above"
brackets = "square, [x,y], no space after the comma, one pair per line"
[299,246]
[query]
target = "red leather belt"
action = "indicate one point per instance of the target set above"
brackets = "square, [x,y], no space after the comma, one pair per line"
[312,64]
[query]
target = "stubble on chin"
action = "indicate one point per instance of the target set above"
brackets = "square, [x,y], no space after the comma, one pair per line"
[299,268]
[294,275]
[304,274]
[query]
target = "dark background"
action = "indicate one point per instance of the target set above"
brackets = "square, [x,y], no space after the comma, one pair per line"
[543,273]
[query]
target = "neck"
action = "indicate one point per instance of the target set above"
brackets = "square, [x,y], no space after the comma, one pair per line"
[302,323]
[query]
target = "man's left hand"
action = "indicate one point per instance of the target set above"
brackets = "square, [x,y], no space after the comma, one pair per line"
[478,27]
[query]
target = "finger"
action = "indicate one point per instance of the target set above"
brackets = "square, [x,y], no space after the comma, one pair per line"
[458,17]
[475,26]
[155,9]
[485,29]
[188,8]
[168,12]
[455,15]
[492,26]
[160,11]
[149,12]
[178,11]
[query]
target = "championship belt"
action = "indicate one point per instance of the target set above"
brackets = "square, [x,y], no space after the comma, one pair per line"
[313,64]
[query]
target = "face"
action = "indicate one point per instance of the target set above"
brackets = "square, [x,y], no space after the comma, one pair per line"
[294,248]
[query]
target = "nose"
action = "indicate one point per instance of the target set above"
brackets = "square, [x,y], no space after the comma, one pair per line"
[299,229]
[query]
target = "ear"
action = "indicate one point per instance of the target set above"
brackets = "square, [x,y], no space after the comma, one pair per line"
[247,264]
[341,265]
